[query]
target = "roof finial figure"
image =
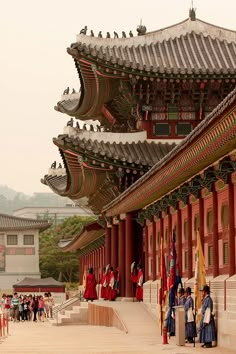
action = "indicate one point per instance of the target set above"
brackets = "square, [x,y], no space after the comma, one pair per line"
[73,91]
[141,29]
[100,34]
[77,125]
[84,30]
[70,123]
[116,35]
[54,164]
[123,34]
[108,35]
[59,166]
[84,127]
[131,34]
[66,91]
[91,33]
[192,13]
[91,128]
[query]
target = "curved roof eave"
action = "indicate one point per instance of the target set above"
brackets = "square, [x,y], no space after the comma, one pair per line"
[89,233]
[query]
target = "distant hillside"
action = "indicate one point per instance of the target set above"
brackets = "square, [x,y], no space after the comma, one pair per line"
[9,193]
[11,200]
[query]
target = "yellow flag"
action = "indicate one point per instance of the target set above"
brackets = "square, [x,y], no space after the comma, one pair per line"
[199,277]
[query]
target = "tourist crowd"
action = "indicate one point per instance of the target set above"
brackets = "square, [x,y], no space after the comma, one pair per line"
[20,308]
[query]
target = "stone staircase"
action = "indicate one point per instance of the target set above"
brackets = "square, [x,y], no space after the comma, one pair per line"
[72,315]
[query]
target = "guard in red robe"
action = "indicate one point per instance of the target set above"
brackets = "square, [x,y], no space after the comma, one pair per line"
[139,288]
[111,291]
[90,292]
[103,282]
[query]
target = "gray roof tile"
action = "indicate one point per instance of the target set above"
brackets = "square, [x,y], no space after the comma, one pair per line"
[192,51]
[9,222]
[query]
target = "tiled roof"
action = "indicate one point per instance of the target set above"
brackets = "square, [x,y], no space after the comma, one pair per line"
[191,47]
[35,282]
[9,222]
[144,153]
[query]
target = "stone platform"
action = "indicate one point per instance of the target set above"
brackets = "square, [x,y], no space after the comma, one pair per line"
[142,336]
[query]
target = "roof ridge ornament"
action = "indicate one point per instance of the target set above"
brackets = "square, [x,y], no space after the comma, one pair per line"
[192,13]
[141,29]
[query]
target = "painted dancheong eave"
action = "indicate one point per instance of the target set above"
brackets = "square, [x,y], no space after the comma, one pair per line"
[211,140]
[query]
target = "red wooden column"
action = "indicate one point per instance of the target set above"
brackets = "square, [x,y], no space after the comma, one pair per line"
[114,246]
[190,250]
[161,225]
[99,261]
[145,231]
[86,262]
[129,252]
[154,250]
[201,220]
[107,246]
[121,255]
[231,245]
[93,260]
[81,267]
[97,264]
[215,232]
[179,238]
[103,256]
[170,223]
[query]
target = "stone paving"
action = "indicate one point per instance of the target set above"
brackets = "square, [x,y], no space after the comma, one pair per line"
[143,337]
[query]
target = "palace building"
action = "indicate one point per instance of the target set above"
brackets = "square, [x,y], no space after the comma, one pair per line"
[19,249]
[162,156]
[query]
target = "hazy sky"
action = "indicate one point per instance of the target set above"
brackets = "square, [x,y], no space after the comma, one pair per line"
[35,68]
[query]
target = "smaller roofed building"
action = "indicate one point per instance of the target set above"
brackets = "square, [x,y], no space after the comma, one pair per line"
[19,249]
[41,286]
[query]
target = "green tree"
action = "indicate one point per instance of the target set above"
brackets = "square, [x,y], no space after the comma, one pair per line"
[53,261]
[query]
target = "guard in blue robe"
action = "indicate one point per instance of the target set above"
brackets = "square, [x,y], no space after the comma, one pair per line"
[190,325]
[207,324]
[181,297]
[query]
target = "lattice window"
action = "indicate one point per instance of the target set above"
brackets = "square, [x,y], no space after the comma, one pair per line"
[185,229]
[186,260]
[161,129]
[225,216]
[196,223]
[210,256]
[225,253]
[183,128]
[28,239]
[12,240]
[209,220]
[151,266]
[167,238]
[158,241]
[151,242]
